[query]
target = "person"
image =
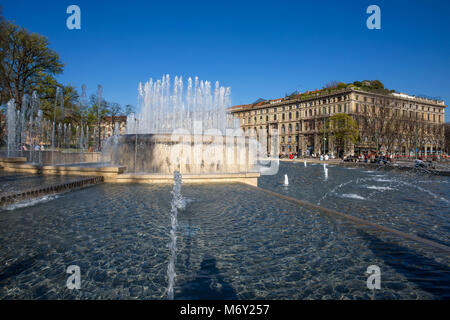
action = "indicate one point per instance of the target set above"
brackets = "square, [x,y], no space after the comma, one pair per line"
[37,148]
[321,157]
[326,157]
[419,163]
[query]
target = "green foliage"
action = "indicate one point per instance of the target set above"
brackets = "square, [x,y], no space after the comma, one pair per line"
[342,128]
[26,62]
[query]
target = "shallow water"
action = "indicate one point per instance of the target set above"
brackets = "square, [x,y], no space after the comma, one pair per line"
[410,202]
[12,182]
[234,241]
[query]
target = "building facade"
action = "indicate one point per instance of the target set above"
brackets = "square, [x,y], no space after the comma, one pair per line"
[399,123]
[109,125]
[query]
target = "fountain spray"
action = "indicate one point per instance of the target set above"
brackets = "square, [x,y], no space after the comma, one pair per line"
[178,203]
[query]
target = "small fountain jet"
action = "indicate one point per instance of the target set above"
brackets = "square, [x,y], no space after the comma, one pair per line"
[286,180]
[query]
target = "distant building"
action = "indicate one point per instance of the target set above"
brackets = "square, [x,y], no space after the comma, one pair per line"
[300,120]
[108,125]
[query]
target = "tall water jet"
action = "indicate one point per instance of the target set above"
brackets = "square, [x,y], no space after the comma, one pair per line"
[177,203]
[325,171]
[99,103]
[163,110]
[39,133]
[23,122]
[34,106]
[286,180]
[11,124]
[57,94]
[304,162]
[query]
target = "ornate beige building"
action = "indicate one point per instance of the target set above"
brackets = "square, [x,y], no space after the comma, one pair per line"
[416,124]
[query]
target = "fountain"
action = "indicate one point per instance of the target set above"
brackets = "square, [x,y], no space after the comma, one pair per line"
[325,171]
[189,132]
[177,203]
[304,162]
[11,124]
[286,180]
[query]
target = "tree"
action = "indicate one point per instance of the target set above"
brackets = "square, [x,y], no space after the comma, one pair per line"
[129,109]
[113,110]
[342,129]
[447,136]
[96,112]
[25,61]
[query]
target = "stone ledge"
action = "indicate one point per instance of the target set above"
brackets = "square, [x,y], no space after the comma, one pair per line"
[250,178]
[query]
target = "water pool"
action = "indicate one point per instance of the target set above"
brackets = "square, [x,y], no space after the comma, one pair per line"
[234,242]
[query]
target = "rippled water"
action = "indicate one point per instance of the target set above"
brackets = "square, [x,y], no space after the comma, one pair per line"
[11,182]
[410,202]
[234,241]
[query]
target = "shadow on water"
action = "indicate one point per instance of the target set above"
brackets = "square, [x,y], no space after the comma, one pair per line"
[426,273]
[208,284]
[18,267]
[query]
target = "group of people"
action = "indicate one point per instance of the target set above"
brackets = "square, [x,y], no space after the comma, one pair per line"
[370,157]
[36,148]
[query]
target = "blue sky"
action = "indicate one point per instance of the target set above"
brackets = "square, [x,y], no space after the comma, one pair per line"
[258,48]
